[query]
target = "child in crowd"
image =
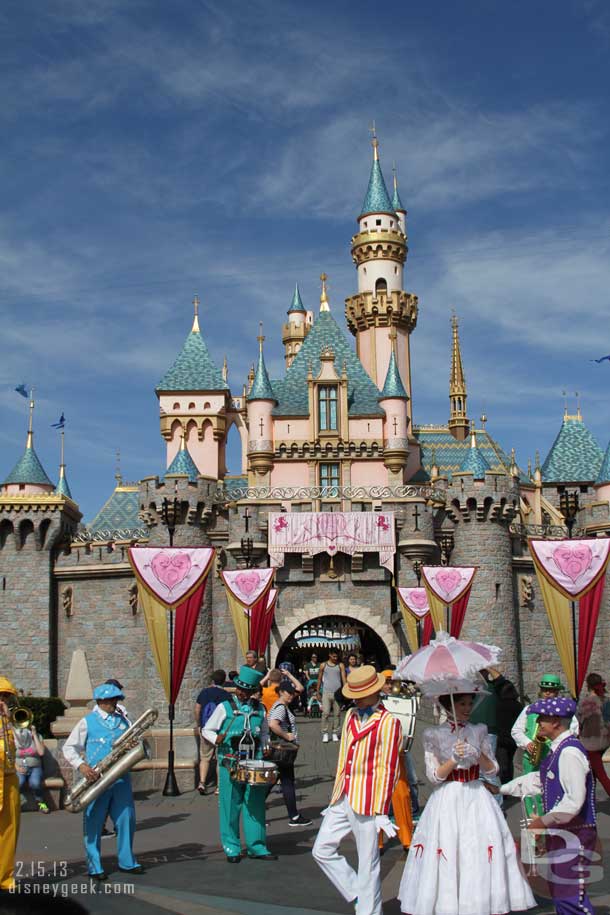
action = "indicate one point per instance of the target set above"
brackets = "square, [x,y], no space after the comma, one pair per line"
[28,765]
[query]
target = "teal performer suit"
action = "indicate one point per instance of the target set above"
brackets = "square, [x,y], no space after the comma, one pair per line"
[225,728]
[90,741]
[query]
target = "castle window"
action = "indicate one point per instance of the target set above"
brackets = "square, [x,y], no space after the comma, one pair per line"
[176,406]
[191,406]
[327,407]
[391,223]
[206,405]
[381,286]
[378,222]
[330,475]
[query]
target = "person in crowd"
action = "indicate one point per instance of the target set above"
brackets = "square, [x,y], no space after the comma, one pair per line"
[366,774]
[226,727]
[89,742]
[252,659]
[352,663]
[312,667]
[508,709]
[261,664]
[524,733]
[10,808]
[30,752]
[230,683]
[282,725]
[463,856]
[314,708]
[207,700]
[331,677]
[401,806]
[594,734]
[270,684]
[566,784]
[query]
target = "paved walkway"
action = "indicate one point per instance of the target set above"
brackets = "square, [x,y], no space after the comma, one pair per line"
[186,870]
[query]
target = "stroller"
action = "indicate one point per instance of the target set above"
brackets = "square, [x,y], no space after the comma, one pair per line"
[314,709]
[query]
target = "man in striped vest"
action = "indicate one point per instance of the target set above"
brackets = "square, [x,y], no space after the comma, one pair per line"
[366,774]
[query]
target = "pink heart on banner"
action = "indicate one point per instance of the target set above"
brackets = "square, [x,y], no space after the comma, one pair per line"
[573,559]
[419,598]
[171,569]
[448,580]
[248,582]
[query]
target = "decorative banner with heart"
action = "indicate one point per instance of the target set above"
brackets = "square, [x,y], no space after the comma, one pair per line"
[414,606]
[171,579]
[572,570]
[247,591]
[448,587]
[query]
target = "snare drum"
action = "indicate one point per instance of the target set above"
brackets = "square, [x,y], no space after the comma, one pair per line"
[256,772]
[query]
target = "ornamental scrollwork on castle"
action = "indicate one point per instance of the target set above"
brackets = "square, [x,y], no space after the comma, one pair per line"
[354,493]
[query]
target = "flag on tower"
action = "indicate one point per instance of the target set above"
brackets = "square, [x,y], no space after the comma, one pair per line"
[61,422]
[21,389]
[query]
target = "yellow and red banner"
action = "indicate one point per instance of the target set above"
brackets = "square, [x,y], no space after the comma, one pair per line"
[171,579]
[572,570]
[248,592]
[448,587]
[414,607]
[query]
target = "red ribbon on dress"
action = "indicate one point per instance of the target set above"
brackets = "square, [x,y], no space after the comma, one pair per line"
[441,853]
[460,724]
[419,849]
[490,852]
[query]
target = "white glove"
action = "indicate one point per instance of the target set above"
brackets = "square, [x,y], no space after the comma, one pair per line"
[464,754]
[385,823]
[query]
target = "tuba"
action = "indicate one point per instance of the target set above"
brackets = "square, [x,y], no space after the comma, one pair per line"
[129,749]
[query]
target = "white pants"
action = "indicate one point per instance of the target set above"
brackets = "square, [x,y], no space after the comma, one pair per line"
[338,821]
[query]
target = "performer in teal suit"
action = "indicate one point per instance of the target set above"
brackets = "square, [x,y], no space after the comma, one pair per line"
[225,728]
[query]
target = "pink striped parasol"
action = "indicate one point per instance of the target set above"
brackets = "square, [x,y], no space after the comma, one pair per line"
[446,663]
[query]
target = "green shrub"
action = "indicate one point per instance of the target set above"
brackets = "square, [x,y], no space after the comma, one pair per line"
[45,710]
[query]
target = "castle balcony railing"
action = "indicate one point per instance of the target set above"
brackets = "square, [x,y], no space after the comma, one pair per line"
[314,493]
[541,531]
[84,535]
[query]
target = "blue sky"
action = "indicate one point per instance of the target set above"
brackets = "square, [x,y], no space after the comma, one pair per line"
[156,150]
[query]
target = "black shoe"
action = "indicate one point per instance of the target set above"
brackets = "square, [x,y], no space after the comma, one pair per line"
[138,869]
[101,876]
[299,820]
[108,833]
[267,857]
[233,859]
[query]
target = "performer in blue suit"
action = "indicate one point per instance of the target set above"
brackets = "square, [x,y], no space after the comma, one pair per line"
[90,741]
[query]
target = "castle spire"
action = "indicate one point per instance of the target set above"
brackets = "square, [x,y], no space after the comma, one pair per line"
[28,470]
[458,417]
[397,203]
[324,306]
[297,302]
[377,199]
[195,327]
[29,440]
[261,386]
[63,487]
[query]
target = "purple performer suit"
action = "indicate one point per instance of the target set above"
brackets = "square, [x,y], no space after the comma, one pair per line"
[567,874]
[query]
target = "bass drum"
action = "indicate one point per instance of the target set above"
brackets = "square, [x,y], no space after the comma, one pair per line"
[405,709]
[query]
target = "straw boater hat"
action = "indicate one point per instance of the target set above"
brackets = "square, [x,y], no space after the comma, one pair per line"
[362,682]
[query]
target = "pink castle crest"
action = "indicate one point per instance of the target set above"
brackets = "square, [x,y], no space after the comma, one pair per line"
[415,600]
[573,566]
[448,583]
[170,573]
[247,585]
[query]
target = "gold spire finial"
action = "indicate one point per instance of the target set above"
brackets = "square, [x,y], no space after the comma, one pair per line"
[529,468]
[195,327]
[182,440]
[117,474]
[260,337]
[324,306]
[395,176]
[473,437]
[458,417]
[483,419]
[374,141]
[30,437]
[514,470]
[225,368]
[61,454]
[578,413]
[393,335]
[565,403]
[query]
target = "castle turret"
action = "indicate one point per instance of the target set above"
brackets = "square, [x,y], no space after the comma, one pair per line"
[458,421]
[183,464]
[379,251]
[193,401]
[394,399]
[297,328]
[261,401]
[475,463]
[397,204]
[28,476]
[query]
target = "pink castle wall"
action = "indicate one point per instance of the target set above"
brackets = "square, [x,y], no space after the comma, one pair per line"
[368,473]
[290,474]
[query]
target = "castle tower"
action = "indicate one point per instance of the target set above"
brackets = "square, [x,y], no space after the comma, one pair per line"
[36,521]
[458,422]
[297,328]
[261,401]
[393,400]
[379,250]
[475,464]
[193,401]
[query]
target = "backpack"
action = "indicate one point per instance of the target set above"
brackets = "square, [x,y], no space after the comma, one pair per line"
[206,712]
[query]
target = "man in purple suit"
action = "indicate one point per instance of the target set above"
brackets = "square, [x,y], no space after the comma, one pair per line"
[567,787]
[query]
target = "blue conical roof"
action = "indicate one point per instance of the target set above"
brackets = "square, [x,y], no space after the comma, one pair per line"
[377,199]
[297,302]
[397,203]
[183,464]
[261,387]
[575,455]
[28,469]
[194,369]
[63,487]
[604,471]
[475,463]
[393,386]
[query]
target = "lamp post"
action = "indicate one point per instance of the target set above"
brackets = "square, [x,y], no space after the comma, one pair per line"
[169,514]
[247,551]
[568,506]
[417,566]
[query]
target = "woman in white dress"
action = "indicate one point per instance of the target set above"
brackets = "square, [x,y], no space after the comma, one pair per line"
[463,859]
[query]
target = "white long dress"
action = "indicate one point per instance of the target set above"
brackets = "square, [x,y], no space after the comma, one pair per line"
[463,859]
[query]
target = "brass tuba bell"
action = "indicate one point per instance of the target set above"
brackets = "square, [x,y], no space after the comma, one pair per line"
[22,717]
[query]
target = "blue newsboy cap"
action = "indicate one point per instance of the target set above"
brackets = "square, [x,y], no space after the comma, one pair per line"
[107,691]
[560,706]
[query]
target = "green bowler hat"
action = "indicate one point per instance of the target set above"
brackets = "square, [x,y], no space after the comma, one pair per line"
[550,681]
[248,678]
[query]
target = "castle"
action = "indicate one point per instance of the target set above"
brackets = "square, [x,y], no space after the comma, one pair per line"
[336,433]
